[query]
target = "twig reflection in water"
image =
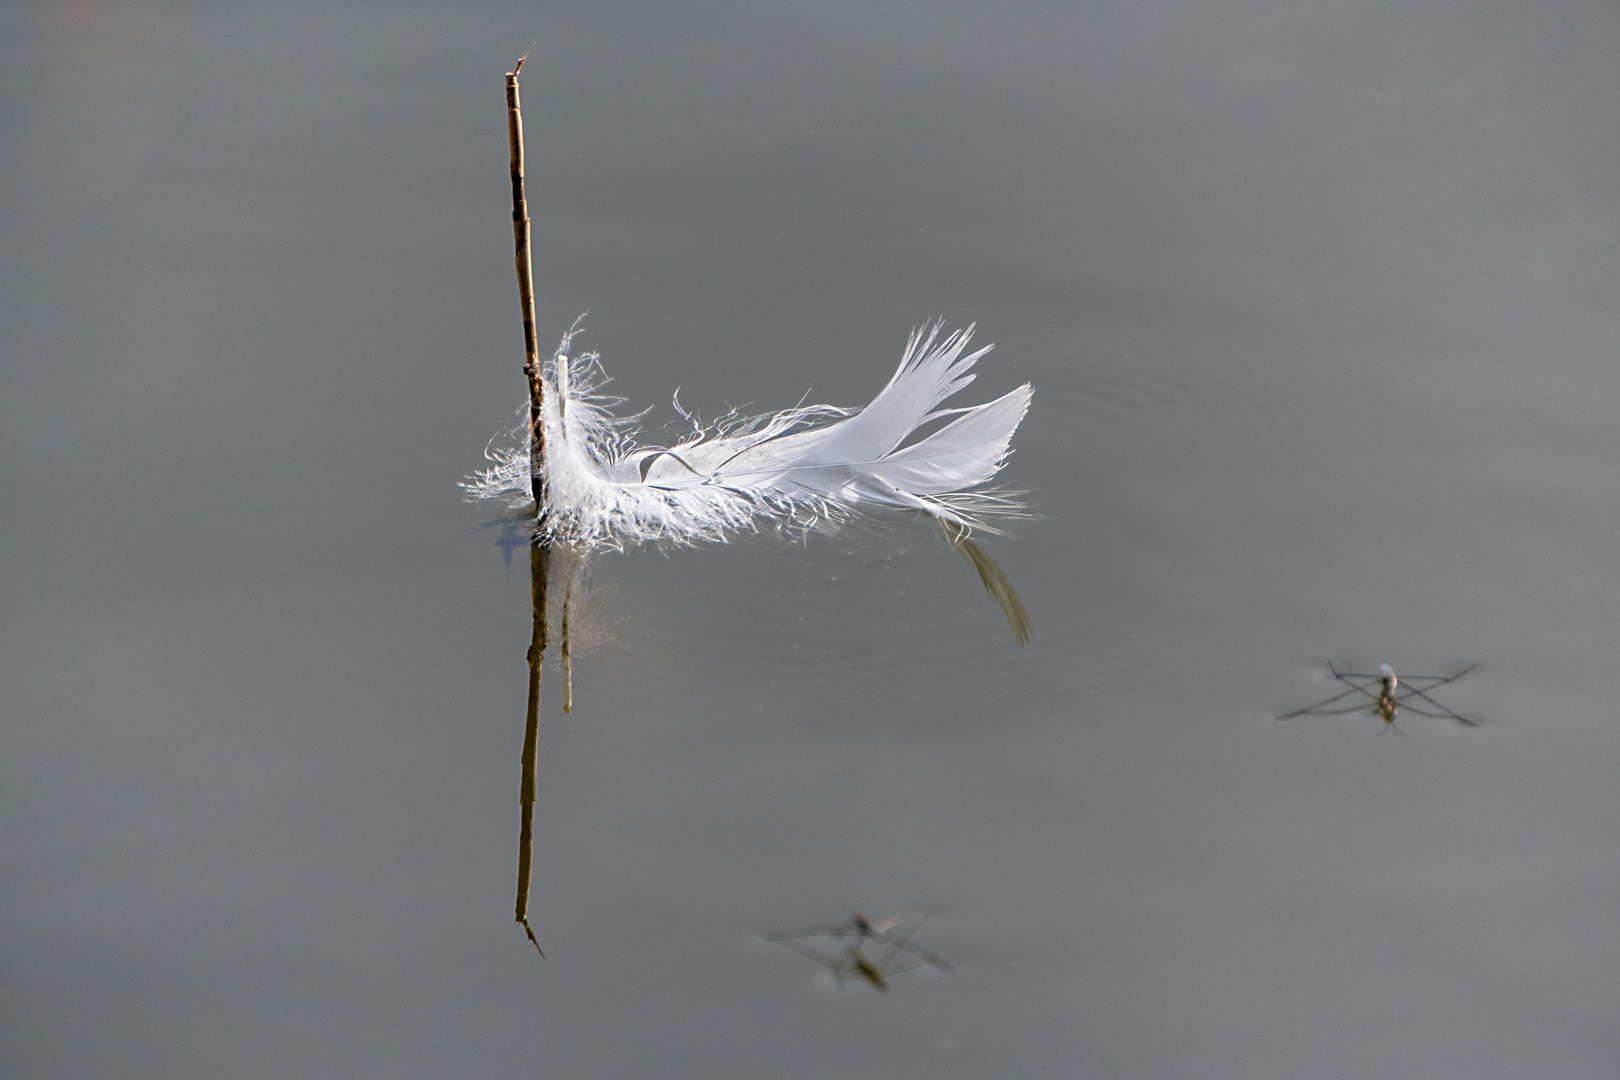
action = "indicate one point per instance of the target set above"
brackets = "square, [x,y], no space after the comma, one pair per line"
[568,564]
[538,570]
[1384,695]
[843,949]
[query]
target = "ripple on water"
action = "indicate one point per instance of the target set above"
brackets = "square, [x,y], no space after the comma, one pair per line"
[828,633]
[1092,365]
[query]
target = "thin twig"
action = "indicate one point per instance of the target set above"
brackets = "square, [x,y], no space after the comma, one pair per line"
[525,275]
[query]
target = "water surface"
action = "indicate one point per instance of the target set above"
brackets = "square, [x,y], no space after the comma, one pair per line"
[1319,307]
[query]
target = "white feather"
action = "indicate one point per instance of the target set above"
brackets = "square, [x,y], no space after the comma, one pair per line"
[804,465]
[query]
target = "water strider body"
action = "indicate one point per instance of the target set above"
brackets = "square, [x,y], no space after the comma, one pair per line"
[1386,695]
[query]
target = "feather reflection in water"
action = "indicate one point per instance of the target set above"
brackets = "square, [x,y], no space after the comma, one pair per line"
[994,579]
[1384,695]
[863,950]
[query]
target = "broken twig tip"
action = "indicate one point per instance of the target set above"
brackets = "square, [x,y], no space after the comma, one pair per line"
[532,939]
[516,68]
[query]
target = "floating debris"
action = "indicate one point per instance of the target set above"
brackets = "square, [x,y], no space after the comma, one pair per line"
[804,466]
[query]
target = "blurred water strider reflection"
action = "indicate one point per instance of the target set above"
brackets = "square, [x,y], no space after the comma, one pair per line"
[1384,694]
[864,951]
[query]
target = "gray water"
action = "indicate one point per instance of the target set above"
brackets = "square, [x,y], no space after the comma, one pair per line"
[1319,304]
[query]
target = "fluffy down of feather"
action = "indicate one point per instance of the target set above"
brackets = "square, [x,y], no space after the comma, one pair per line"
[803,467]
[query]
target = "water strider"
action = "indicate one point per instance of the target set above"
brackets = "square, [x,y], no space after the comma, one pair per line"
[1384,694]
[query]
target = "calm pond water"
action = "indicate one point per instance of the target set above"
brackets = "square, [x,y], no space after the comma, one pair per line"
[1320,308]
